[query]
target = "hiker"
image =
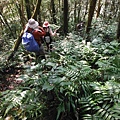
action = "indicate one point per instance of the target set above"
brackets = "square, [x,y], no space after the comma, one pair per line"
[48,36]
[80,26]
[38,32]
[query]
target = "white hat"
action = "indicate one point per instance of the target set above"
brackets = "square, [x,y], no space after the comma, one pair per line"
[46,24]
[32,24]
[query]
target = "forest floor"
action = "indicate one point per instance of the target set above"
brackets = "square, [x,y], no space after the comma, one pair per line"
[11,75]
[10,78]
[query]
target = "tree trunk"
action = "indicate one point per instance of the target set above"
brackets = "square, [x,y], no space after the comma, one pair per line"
[37,9]
[27,5]
[86,9]
[65,14]
[90,14]
[53,11]
[20,11]
[7,24]
[79,9]
[105,9]
[118,29]
[19,38]
[75,19]
[98,9]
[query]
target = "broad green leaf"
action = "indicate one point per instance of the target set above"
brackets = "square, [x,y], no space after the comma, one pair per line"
[47,86]
[61,108]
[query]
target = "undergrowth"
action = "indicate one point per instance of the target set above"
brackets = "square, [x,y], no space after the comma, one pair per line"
[77,81]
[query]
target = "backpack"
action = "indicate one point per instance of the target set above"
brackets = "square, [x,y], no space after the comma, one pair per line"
[29,42]
[47,38]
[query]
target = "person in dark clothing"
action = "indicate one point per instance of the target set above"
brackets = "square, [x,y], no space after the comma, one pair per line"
[38,32]
[48,36]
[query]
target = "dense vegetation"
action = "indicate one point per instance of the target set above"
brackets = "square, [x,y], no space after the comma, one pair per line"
[77,81]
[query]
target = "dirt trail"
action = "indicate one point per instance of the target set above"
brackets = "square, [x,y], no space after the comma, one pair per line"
[10,78]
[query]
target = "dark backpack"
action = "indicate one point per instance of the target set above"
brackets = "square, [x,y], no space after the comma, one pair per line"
[47,38]
[29,42]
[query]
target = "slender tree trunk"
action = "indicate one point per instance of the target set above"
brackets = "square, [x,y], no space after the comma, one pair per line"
[75,19]
[53,11]
[112,9]
[86,9]
[90,14]
[20,14]
[79,9]
[65,29]
[16,46]
[118,29]
[105,8]
[7,24]
[117,6]
[98,9]
[27,4]
[37,9]
[38,12]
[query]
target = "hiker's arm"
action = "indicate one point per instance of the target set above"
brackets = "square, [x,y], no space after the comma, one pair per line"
[53,33]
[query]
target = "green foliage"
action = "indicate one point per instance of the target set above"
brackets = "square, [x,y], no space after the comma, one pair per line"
[21,104]
[83,79]
[102,102]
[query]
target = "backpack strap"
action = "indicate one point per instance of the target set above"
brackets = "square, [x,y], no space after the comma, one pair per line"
[30,31]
